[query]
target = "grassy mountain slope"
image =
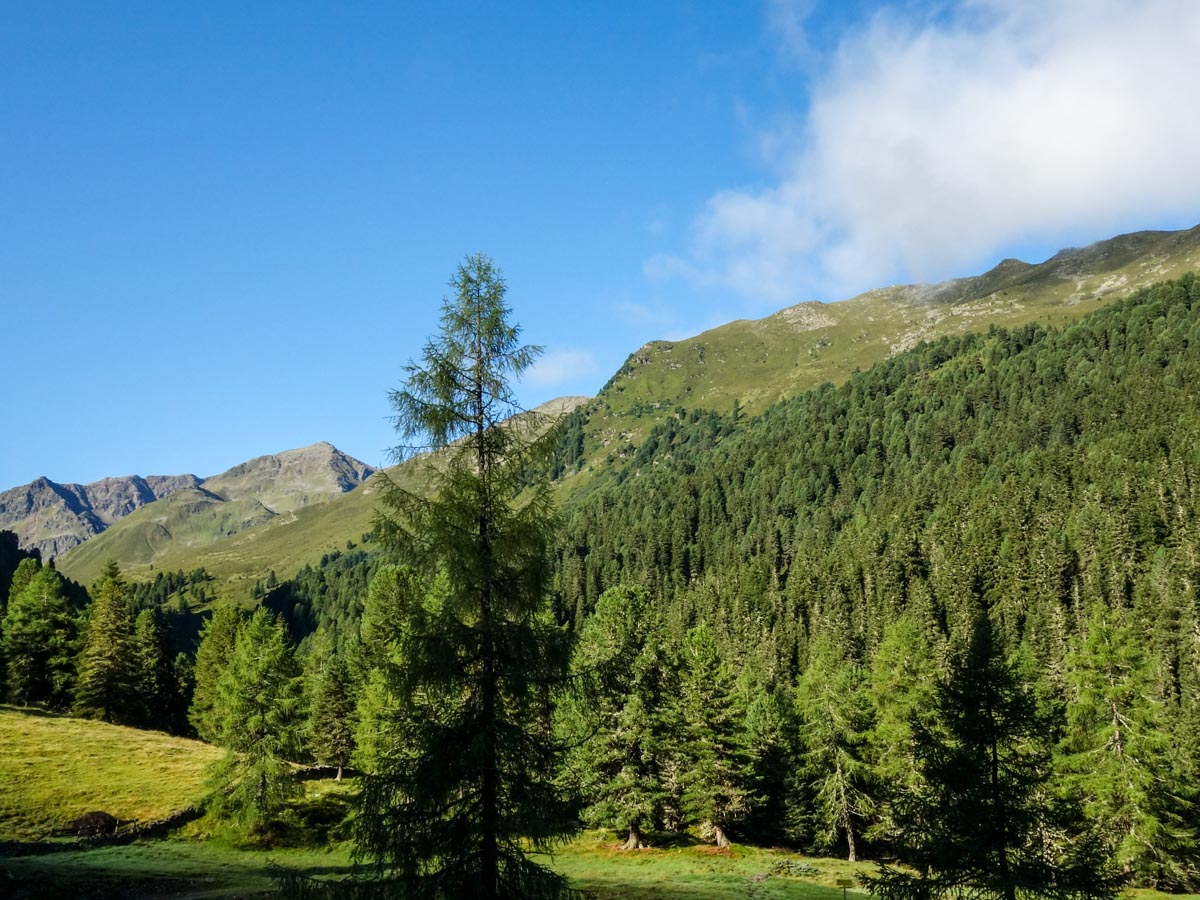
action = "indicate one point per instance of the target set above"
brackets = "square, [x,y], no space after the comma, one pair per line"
[53,517]
[244,552]
[249,496]
[759,362]
[54,769]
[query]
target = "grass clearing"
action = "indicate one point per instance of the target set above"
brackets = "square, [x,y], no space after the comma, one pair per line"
[689,870]
[212,869]
[54,769]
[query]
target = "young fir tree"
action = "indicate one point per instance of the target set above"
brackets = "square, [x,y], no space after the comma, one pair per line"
[21,575]
[1120,756]
[332,721]
[258,700]
[619,746]
[985,824]
[448,813]
[715,767]
[157,683]
[106,687]
[835,719]
[37,641]
[217,639]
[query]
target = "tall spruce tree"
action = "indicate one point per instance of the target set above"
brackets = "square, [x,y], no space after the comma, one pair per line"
[716,769]
[620,748]
[157,682]
[106,688]
[448,813]
[217,639]
[37,640]
[332,720]
[984,823]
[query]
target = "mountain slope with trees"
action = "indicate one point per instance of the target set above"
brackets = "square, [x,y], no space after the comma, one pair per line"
[745,364]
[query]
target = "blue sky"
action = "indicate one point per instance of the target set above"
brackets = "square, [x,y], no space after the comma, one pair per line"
[225,227]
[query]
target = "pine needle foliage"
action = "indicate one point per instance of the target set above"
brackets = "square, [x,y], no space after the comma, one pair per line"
[450,806]
[258,698]
[985,824]
[107,685]
[38,637]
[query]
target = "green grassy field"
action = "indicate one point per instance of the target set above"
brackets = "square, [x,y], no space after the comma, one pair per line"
[194,869]
[210,869]
[54,769]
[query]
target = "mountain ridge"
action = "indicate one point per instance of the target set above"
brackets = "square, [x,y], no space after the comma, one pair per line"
[746,364]
[55,518]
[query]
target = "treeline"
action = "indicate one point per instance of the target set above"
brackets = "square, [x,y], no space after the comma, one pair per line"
[94,654]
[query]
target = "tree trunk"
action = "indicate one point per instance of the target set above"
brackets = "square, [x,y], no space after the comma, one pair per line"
[339,774]
[853,857]
[635,839]
[722,839]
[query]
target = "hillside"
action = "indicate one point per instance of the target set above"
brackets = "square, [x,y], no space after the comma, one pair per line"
[263,490]
[237,538]
[758,362]
[755,363]
[1049,471]
[52,518]
[54,769]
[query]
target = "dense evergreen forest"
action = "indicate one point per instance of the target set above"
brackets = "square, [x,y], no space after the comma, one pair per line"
[1047,476]
[781,606]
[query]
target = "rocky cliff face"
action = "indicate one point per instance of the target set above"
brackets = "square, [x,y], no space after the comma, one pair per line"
[286,481]
[53,517]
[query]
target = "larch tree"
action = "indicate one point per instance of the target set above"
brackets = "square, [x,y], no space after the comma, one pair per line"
[903,685]
[258,700]
[106,687]
[1120,756]
[450,811]
[834,715]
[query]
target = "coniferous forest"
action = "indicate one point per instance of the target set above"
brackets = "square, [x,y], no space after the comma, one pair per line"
[945,615]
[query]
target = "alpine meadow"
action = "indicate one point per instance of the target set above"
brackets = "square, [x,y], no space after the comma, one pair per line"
[711,532]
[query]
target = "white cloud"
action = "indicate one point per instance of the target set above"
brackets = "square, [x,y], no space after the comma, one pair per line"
[931,142]
[559,367]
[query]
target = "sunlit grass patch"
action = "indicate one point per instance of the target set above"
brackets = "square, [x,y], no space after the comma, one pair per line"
[54,769]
